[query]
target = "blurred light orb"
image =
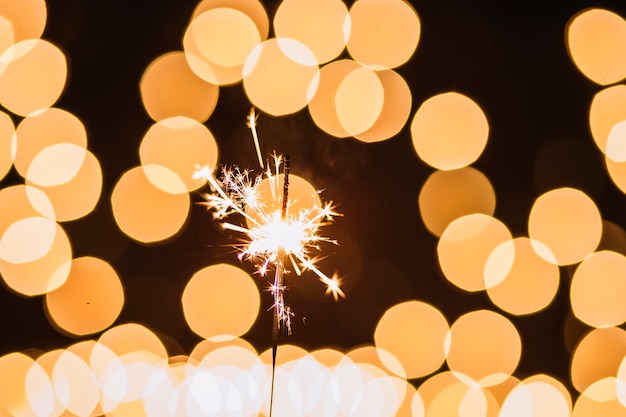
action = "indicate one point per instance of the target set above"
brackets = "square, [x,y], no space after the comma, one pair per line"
[400,331]
[225,36]
[33,76]
[89,301]
[536,398]
[600,399]
[384,33]
[7,132]
[598,355]
[27,240]
[597,287]
[27,17]
[469,189]
[616,142]
[395,111]
[484,346]
[145,212]
[323,107]
[465,247]
[25,389]
[531,283]
[359,100]
[596,42]
[608,108]
[617,173]
[280,76]
[319,24]
[56,164]
[220,37]
[449,131]
[169,88]
[181,145]
[39,274]
[220,301]
[567,222]
[74,384]
[41,130]
[78,196]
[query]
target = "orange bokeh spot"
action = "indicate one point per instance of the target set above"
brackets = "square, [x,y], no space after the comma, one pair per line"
[484,346]
[400,331]
[531,283]
[598,355]
[564,225]
[280,76]
[449,131]
[181,145]
[607,109]
[7,131]
[169,88]
[145,212]
[42,130]
[33,77]
[596,289]
[220,301]
[319,24]
[596,41]
[395,111]
[466,245]
[27,17]
[89,301]
[359,100]
[448,195]
[383,33]
[79,196]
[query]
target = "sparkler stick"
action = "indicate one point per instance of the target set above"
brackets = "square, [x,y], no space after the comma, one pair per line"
[252,116]
[277,288]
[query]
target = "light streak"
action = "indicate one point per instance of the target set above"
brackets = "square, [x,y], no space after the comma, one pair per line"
[251,122]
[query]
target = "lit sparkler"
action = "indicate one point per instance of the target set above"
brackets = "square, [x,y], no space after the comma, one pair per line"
[273,237]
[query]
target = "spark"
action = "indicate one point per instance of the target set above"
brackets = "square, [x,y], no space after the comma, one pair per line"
[251,122]
[271,238]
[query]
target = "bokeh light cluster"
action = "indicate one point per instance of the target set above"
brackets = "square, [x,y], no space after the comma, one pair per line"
[339,63]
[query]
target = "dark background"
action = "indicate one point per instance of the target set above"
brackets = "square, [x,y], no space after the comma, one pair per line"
[510,58]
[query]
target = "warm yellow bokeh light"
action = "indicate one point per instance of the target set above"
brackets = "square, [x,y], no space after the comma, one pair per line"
[322,107]
[27,17]
[448,195]
[182,145]
[597,288]
[400,331]
[42,274]
[567,222]
[79,196]
[252,8]
[537,397]
[42,130]
[449,131]
[319,24]
[55,165]
[359,100]
[27,240]
[484,346]
[15,370]
[395,111]
[617,173]
[220,301]
[607,109]
[616,142]
[280,76]
[598,355]
[89,301]
[7,131]
[466,245]
[384,33]
[531,283]
[145,212]
[599,399]
[169,88]
[596,41]
[74,384]
[33,77]
[48,361]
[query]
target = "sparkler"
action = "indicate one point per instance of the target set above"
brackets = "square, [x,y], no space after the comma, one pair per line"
[271,236]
